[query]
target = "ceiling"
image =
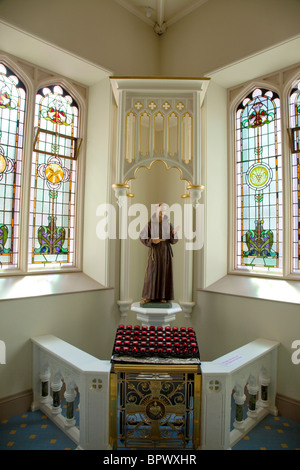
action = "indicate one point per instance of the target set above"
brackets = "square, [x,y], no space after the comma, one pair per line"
[160,13]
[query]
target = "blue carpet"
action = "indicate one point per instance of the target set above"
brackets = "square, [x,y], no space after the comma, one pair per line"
[272,433]
[35,431]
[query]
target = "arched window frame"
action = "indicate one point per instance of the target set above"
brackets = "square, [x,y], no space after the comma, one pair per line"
[287,79]
[29,75]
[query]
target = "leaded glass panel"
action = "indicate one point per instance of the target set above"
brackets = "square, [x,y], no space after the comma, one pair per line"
[53,180]
[294,116]
[259,182]
[12,116]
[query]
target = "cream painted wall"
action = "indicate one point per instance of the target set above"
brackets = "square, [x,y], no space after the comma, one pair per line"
[225,31]
[76,318]
[102,32]
[226,322]
[214,121]
[97,180]
[125,46]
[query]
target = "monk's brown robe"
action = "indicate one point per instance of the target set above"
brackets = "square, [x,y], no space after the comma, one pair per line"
[158,283]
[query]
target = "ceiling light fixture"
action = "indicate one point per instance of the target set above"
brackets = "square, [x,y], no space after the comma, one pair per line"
[149,12]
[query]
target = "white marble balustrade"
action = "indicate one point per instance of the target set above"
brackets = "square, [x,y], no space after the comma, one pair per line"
[244,380]
[245,377]
[55,363]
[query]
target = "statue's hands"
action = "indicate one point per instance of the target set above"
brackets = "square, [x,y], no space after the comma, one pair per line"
[155,240]
[175,230]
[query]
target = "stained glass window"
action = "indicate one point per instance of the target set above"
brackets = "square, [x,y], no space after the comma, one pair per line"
[259,182]
[12,114]
[294,112]
[53,179]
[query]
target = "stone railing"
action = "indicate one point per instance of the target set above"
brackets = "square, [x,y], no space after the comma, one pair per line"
[57,364]
[238,391]
[249,371]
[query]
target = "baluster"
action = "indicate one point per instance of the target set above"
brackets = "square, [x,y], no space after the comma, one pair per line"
[70,395]
[239,398]
[264,391]
[56,388]
[252,389]
[45,388]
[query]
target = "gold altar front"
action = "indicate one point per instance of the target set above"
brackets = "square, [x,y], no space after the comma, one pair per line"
[155,406]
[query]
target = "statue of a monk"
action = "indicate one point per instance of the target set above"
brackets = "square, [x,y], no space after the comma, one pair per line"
[158,235]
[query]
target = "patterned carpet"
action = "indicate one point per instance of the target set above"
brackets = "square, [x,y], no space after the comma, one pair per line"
[35,431]
[273,433]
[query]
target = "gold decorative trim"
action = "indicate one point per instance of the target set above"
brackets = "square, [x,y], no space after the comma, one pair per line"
[147,143]
[171,115]
[156,392]
[116,185]
[195,186]
[167,168]
[133,116]
[129,77]
[113,410]
[187,136]
[155,138]
[169,368]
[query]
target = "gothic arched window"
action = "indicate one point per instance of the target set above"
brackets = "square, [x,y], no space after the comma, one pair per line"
[12,116]
[53,179]
[259,182]
[294,118]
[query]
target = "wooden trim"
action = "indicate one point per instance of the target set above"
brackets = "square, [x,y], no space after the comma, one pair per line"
[288,407]
[15,404]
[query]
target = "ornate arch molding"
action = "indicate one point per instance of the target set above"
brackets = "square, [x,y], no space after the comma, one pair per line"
[158,120]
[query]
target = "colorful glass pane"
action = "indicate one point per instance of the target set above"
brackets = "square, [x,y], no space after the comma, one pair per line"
[294,115]
[12,115]
[53,180]
[259,182]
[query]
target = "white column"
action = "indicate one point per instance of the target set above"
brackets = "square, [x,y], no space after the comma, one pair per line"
[252,389]
[264,391]
[193,240]
[239,399]
[56,388]
[70,395]
[45,386]
[187,303]
[124,302]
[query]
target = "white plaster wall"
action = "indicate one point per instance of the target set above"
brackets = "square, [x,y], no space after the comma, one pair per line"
[215,181]
[97,181]
[225,31]
[101,32]
[86,320]
[105,34]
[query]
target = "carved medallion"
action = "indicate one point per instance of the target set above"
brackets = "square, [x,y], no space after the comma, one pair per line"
[155,409]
